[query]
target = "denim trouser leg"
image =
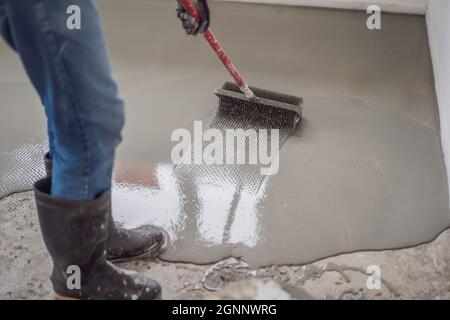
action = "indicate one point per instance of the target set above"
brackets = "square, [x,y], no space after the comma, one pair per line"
[70,69]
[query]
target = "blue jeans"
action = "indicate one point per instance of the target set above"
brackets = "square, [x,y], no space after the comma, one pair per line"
[71,72]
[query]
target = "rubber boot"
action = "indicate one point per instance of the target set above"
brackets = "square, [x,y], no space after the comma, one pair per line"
[76,236]
[129,244]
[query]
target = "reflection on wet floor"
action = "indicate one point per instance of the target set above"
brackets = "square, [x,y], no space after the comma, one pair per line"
[211,205]
[214,211]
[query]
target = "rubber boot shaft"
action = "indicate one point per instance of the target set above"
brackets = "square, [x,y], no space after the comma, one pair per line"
[76,236]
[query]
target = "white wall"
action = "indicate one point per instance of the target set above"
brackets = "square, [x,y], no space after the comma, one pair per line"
[438,21]
[403,6]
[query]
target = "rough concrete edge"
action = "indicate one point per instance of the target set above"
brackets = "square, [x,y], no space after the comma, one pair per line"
[405,7]
[425,242]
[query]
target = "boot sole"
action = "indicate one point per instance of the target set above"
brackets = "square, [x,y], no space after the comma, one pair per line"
[65,298]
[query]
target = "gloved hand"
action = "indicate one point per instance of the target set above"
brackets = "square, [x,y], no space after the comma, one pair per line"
[190,25]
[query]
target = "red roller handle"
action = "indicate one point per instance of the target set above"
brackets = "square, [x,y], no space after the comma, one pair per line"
[190,7]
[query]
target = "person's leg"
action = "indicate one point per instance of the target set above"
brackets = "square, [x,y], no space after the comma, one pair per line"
[70,69]
[72,74]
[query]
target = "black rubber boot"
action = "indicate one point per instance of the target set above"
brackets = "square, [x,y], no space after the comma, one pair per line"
[76,236]
[129,244]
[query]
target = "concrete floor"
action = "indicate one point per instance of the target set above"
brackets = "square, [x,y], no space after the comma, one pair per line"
[416,273]
[367,158]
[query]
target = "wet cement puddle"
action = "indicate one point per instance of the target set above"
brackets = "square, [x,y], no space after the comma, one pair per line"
[352,177]
[364,170]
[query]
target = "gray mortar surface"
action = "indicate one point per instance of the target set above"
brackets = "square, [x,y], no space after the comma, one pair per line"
[416,273]
[363,171]
[368,164]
